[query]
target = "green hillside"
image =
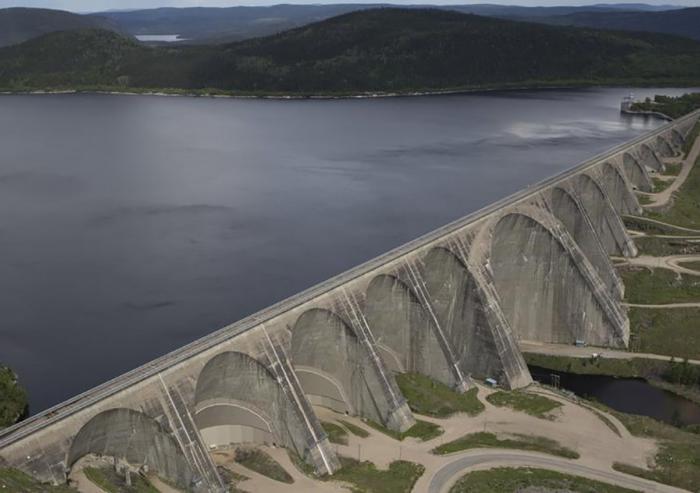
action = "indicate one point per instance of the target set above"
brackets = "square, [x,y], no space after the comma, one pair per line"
[20,24]
[383,50]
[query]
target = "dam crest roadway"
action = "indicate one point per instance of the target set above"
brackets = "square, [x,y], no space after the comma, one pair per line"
[452,305]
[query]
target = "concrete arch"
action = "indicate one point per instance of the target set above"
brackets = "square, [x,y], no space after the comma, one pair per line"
[604,218]
[403,330]
[663,148]
[636,173]
[336,370]
[543,291]
[571,213]
[649,158]
[460,310]
[238,400]
[620,193]
[676,139]
[134,437]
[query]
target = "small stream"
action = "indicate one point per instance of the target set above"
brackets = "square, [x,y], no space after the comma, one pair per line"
[629,395]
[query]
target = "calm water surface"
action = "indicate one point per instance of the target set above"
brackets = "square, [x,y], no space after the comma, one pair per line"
[130,226]
[629,395]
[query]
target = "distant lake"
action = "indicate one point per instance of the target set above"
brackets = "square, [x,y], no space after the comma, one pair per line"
[160,38]
[131,225]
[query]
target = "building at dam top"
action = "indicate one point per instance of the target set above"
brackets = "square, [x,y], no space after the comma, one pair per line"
[451,305]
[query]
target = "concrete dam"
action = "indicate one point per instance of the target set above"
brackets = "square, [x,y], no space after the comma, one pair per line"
[452,305]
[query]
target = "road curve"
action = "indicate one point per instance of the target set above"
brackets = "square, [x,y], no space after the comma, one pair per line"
[463,463]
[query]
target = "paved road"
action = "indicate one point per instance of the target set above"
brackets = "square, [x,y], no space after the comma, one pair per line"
[446,476]
[671,262]
[659,200]
[586,352]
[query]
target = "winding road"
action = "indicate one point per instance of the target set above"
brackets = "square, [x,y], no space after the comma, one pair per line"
[476,459]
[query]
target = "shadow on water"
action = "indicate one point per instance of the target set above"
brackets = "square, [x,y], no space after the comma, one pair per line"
[628,395]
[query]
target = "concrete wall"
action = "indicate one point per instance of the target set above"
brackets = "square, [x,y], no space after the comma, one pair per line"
[451,305]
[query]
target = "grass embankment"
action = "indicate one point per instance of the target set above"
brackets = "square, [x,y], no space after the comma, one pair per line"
[690,139]
[646,225]
[627,368]
[366,478]
[260,462]
[685,210]
[678,460]
[661,185]
[13,480]
[512,480]
[532,404]
[354,429]
[423,430]
[673,169]
[659,286]
[673,332]
[336,433]
[692,265]
[111,482]
[511,441]
[663,247]
[432,398]
[231,479]
[13,398]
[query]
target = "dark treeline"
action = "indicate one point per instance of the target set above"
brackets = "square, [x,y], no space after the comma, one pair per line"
[382,50]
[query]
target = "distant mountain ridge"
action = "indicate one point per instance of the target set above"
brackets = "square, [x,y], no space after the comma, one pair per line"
[679,22]
[370,51]
[225,24]
[19,24]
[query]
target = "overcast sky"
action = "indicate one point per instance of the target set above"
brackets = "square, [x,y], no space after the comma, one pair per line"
[95,5]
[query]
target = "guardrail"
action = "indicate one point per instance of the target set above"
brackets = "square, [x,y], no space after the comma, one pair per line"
[117,384]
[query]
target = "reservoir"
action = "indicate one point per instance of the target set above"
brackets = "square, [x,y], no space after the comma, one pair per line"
[132,225]
[629,395]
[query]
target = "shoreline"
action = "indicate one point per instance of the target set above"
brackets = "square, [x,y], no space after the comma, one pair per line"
[164,92]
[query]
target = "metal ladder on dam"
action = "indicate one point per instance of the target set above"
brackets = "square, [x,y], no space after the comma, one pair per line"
[325,461]
[418,284]
[398,406]
[187,435]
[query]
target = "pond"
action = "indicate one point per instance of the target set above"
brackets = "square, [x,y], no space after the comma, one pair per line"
[629,395]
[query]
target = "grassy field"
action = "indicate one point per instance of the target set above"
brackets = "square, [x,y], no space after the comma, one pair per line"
[513,480]
[423,430]
[688,144]
[366,478]
[678,461]
[645,225]
[693,265]
[674,332]
[658,286]
[13,398]
[111,482]
[231,479]
[355,430]
[512,441]
[661,185]
[685,210]
[13,480]
[673,169]
[631,368]
[661,247]
[532,404]
[643,199]
[431,398]
[260,462]
[336,433]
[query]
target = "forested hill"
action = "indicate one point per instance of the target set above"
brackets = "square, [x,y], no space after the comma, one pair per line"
[21,24]
[374,50]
